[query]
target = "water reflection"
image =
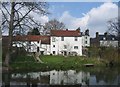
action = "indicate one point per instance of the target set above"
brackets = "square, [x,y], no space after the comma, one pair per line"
[70,77]
[53,77]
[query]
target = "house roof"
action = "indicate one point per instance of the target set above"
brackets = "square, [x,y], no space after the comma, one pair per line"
[108,37]
[44,39]
[66,33]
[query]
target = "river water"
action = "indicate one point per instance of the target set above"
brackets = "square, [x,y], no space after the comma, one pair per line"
[104,77]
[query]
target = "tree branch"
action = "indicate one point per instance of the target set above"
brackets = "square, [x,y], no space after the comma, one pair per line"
[24,16]
[6,9]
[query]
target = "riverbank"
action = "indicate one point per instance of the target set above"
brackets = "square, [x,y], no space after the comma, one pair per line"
[27,63]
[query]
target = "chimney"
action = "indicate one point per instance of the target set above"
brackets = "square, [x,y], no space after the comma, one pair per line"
[78,29]
[105,34]
[97,34]
[87,32]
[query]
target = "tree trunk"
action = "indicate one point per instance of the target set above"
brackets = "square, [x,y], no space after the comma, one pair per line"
[11,27]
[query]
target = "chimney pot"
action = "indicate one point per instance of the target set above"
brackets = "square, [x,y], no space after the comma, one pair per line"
[78,29]
[97,34]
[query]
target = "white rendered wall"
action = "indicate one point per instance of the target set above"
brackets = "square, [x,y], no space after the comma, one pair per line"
[69,41]
[32,46]
[84,39]
[42,47]
[109,43]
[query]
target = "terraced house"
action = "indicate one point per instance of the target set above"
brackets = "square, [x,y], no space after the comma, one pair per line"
[104,40]
[58,42]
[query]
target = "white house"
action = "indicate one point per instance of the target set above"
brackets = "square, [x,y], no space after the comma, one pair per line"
[59,42]
[33,43]
[66,42]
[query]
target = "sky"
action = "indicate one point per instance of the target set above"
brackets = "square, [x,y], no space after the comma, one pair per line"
[92,15]
[86,15]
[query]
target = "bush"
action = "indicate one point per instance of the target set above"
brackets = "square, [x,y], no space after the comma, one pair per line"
[110,54]
[106,53]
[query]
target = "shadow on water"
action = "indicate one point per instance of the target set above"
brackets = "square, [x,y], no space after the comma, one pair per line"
[69,78]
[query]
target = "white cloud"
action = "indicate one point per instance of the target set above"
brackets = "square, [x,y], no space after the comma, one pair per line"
[96,19]
[73,22]
[44,19]
[40,18]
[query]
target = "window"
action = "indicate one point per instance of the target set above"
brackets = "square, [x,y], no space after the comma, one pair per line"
[113,38]
[75,47]
[37,41]
[85,42]
[62,38]
[85,37]
[76,39]
[53,45]
[53,52]
[103,38]
[65,46]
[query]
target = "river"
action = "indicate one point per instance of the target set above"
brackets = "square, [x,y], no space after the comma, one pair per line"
[59,78]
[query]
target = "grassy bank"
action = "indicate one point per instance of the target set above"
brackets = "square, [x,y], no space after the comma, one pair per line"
[28,63]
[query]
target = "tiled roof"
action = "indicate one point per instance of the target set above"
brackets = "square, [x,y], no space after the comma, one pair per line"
[108,37]
[66,33]
[44,39]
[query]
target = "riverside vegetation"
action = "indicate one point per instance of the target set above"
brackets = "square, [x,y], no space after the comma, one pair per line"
[54,62]
[100,57]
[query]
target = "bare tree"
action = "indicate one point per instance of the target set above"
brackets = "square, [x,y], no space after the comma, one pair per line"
[114,28]
[53,25]
[16,19]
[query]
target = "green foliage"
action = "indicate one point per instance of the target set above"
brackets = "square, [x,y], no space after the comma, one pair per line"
[106,53]
[35,31]
[53,62]
[93,51]
[110,54]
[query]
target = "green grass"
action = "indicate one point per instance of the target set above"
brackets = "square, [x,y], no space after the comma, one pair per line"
[27,63]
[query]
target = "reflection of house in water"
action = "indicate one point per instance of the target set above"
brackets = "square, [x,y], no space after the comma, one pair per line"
[54,77]
[38,78]
[68,77]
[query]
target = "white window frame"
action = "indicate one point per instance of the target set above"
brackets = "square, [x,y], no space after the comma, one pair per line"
[76,47]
